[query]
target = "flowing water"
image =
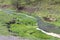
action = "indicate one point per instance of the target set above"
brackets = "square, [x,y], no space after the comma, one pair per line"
[47,27]
[41,25]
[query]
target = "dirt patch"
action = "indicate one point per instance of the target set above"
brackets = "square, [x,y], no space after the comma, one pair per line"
[49,19]
[6,6]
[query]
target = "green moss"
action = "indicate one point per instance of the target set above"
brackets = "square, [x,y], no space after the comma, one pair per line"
[28,31]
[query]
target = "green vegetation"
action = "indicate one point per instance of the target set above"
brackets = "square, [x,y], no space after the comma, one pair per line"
[22,22]
[21,28]
[28,31]
[4,17]
[26,28]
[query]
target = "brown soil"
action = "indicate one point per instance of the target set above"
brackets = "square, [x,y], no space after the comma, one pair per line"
[49,19]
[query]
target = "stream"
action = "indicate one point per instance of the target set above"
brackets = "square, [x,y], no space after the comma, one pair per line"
[46,28]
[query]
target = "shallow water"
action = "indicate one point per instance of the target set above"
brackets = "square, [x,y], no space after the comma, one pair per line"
[47,27]
[42,25]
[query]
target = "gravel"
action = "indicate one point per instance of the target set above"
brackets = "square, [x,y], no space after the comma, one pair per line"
[11,38]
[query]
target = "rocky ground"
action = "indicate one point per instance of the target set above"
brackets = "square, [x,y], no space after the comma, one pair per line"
[11,38]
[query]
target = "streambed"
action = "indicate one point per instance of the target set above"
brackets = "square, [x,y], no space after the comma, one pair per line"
[47,27]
